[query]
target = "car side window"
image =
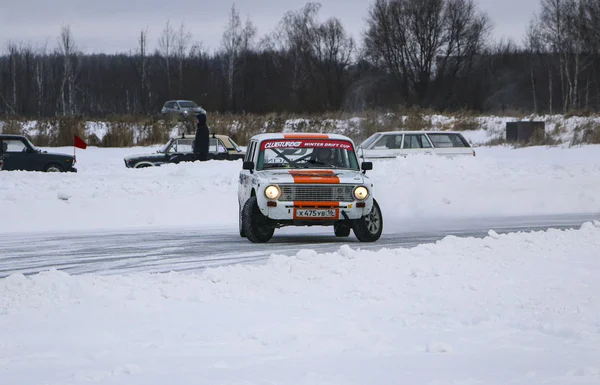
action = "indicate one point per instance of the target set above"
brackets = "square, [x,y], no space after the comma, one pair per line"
[183,145]
[216,146]
[416,141]
[13,145]
[250,152]
[442,140]
[425,141]
[390,141]
[220,147]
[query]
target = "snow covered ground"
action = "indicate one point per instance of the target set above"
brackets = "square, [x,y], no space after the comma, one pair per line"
[508,309]
[106,195]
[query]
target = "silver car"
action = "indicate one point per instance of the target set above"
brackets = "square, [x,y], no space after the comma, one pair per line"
[181,109]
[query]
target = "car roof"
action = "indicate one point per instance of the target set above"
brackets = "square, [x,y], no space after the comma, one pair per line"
[298,135]
[12,136]
[192,136]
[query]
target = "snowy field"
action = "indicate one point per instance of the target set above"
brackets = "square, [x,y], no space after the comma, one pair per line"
[106,195]
[507,309]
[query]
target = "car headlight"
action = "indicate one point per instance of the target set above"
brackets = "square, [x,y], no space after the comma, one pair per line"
[361,193]
[272,192]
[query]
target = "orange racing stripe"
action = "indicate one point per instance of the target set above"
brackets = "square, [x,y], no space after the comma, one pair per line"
[314,177]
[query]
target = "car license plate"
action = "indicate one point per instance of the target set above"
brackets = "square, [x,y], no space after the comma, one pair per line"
[316,213]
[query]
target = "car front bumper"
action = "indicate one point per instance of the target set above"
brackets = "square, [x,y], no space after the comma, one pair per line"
[313,212]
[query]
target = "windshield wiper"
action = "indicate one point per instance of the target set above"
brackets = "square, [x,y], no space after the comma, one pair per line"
[275,165]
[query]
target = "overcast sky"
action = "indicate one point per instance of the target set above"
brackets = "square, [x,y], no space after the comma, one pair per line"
[114,25]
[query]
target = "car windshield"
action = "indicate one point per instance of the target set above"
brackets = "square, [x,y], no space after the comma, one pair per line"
[188,104]
[165,147]
[32,145]
[307,153]
[367,142]
[235,145]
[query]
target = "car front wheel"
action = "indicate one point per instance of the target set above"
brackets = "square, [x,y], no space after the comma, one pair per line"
[241,223]
[53,167]
[254,223]
[369,227]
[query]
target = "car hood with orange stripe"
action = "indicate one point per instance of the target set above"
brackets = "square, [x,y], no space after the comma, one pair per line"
[312,176]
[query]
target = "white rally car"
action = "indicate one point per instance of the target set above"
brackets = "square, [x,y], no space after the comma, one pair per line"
[306,180]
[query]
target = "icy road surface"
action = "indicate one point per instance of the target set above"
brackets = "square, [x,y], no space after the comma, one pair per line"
[185,249]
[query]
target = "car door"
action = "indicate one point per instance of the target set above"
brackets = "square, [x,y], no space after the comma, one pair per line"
[416,144]
[388,145]
[18,156]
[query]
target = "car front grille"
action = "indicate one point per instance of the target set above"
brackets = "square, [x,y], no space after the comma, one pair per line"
[317,193]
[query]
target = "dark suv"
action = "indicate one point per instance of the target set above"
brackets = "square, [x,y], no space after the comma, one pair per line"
[18,153]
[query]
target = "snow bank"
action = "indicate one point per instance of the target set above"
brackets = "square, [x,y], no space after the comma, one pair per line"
[506,309]
[106,195]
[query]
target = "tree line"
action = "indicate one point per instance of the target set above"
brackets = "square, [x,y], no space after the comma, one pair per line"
[435,54]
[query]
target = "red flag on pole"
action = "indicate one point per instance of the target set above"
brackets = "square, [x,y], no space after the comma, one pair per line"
[79,143]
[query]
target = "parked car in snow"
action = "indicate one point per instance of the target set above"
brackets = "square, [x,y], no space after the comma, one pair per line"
[18,153]
[181,109]
[306,180]
[392,144]
[180,149]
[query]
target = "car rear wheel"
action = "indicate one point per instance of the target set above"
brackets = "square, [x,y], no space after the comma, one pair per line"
[369,227]
[53,167]
[254,223]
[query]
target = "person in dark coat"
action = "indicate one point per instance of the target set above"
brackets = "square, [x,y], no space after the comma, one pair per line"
[201,139]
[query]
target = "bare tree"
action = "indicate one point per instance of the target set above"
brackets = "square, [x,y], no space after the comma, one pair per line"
[13,62]
[298,32]
[166,42]
[40,73]
[417,40]
[182,42]
[332,52]
[68,50]
[533,46]
[235,42]
[143,69]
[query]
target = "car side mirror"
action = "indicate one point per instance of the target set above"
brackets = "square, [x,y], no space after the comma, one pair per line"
[248,166]
[367,166]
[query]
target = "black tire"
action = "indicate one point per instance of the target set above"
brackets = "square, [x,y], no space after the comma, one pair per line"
[341,230]
[369,227]
[254,223]
[53,167]
[240,223]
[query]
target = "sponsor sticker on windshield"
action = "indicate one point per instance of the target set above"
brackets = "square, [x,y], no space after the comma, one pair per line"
[308,143]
